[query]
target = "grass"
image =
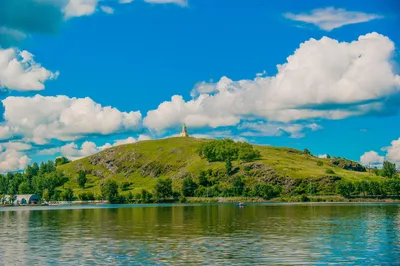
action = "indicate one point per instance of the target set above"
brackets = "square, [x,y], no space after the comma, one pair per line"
[143,162]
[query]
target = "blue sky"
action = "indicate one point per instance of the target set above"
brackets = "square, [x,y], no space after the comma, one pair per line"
[91,66]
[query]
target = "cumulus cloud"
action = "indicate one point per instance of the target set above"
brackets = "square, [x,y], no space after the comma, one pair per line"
[78,8]
[323,156]
[371,158]
[392,155]
[19,71]
[40,118]
[11,157]
[5,133]
[125,1]
[331,18]
[322,79]
[393,152]
[73,152]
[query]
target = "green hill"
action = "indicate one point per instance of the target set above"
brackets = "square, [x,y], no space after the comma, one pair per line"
[137,166]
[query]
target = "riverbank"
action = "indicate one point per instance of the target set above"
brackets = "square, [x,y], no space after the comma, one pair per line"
[302,198]
[205,200]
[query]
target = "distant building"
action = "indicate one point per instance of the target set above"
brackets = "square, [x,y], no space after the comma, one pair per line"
[184,132]
[26,199]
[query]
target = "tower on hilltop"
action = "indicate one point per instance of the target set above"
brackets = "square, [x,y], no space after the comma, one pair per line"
[184,132]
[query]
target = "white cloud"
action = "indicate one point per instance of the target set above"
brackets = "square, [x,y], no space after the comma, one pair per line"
[107,9]
[78,8]
[178,2]
[73,152]
[125,1]
[323,156]
[393,152]
[12,159]
[277,129]
[331,18]
[19,71]
[5,133]
[371,157]
[15,145]
[40,118]
[322,79]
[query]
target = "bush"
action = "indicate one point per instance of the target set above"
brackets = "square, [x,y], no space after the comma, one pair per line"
[182,199]
[267,191]
[188,187]
[125,186]
[146,197]
[320,163]
[304,198]
[329,171]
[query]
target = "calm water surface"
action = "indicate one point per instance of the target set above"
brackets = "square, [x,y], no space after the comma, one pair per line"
[224,234]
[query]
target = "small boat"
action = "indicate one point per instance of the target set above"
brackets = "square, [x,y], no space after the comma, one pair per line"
[240,204]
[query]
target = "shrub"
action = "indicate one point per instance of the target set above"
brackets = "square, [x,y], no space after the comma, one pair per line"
[329,171]
[320,163]
[182,199]
[188,187]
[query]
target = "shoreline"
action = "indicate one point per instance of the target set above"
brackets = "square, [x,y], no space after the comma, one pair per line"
[200,200]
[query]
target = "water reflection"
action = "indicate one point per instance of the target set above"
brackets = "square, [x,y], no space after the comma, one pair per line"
[201,234]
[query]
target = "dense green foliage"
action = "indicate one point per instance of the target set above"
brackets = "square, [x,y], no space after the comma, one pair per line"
[389,169]
[163,189]
[109,191]
[388,187]
[43,180]
[61,160]
[222,150]
[188,187]
[81,180]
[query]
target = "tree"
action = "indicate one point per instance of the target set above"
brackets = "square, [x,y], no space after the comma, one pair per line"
[307,151]
[389,169]
[109,191]
[163,188]
[145,196]
[237,186]
[188,187]
[228,166]
[61,160]
[45,194]
[203,181]
[24,188]
[328,156]
[67,194]
[220,150]
[81,179]
[345,188]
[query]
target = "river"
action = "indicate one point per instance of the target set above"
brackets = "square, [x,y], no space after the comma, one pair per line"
[220,234]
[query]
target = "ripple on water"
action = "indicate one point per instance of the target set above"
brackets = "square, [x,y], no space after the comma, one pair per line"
[202,234]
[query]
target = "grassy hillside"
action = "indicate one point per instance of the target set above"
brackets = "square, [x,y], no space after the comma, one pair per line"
[137,166]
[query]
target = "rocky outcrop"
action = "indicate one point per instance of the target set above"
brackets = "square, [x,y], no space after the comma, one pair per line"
[348,165]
